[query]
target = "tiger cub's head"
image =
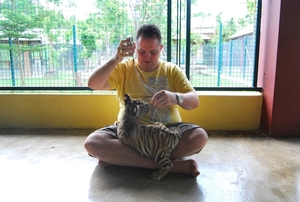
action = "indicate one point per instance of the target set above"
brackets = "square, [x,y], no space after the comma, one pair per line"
[135,108]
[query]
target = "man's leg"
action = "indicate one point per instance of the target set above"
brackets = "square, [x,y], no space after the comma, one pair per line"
[112,151]
[192,142]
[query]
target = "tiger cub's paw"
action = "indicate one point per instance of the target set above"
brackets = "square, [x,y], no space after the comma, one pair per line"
[156,176]
[158,124]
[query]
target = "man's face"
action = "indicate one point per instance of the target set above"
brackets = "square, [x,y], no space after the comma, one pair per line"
[148,53]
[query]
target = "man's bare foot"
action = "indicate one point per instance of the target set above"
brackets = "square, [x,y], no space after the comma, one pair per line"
[104,164]
[187,167]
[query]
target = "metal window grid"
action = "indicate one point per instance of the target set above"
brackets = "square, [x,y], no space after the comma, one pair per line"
[217,51]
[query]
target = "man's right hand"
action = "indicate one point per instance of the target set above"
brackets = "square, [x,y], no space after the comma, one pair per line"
[126,48]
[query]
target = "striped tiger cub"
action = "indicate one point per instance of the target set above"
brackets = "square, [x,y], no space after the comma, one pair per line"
[155,141]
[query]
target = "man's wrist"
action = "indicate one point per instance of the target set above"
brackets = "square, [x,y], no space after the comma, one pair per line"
[179,98]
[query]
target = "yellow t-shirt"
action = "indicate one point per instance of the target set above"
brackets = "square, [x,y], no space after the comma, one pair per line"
[128,78]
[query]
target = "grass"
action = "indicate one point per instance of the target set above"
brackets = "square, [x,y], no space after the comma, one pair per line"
[66,79]
[60,80]
[211,80]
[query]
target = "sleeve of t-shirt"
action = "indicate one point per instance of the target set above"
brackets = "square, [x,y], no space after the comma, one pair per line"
[116,77]
[180,81]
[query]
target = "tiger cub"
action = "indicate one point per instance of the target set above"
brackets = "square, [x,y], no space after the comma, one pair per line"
[155,141]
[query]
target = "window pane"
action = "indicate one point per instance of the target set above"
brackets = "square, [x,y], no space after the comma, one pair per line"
[59,43]
[223,38]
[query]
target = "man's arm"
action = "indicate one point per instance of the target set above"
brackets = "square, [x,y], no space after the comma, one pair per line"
[163,99]
[190,100]
[98,79]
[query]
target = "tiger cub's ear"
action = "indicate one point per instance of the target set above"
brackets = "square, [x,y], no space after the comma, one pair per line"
[127,99]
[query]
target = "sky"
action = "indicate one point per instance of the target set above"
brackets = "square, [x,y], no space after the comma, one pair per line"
[229,8]
[84,7]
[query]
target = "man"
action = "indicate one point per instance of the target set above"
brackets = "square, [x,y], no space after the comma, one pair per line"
[160,83]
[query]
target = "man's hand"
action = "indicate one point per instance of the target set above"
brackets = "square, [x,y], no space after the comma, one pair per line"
[163,99]
[126,48]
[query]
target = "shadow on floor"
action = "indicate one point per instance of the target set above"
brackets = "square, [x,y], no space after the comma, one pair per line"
[137,182]
[52,165]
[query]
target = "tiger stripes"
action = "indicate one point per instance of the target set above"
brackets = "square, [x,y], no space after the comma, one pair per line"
[155,141]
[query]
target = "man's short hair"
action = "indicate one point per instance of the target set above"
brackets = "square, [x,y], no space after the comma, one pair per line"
[149,31]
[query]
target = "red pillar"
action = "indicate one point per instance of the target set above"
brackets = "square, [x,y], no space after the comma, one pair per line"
[279,67]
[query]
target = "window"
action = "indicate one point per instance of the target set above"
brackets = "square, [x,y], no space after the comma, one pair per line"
[47,45]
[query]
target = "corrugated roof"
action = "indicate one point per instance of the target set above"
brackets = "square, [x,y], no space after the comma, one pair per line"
[248,30]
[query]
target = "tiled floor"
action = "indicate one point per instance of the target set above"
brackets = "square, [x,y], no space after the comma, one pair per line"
[52,165]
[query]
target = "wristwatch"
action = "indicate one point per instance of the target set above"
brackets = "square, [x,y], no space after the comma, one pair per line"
[179,99]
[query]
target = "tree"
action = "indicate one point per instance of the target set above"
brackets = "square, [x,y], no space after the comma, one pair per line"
[88,40]
[110,24]
[250,16]
[229,29]
[145,11]
[16,25]
[52,22]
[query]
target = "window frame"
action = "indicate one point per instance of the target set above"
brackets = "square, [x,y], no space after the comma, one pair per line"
[187,59]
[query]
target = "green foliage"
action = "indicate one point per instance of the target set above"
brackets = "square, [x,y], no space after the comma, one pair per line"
[15,26]
[196,40]
[56,2]
[88,40]
[229,29]
[146,11]
[249,17]
[19,6]
[231,26]
[251,6]
[111,21]
[219,18]
[111,18]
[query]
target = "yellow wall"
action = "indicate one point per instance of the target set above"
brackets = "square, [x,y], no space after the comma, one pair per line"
[217,110]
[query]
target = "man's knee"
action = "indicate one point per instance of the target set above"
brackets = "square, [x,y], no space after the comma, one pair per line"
[197,139]
[89,144]
[94,143]
[201,138]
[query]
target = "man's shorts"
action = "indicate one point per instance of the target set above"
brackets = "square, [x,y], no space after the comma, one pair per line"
[112,129]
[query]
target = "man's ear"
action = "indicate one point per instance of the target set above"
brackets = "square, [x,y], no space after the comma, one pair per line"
[161,47]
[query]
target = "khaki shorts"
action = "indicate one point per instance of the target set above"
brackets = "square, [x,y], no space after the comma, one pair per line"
[112,129]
